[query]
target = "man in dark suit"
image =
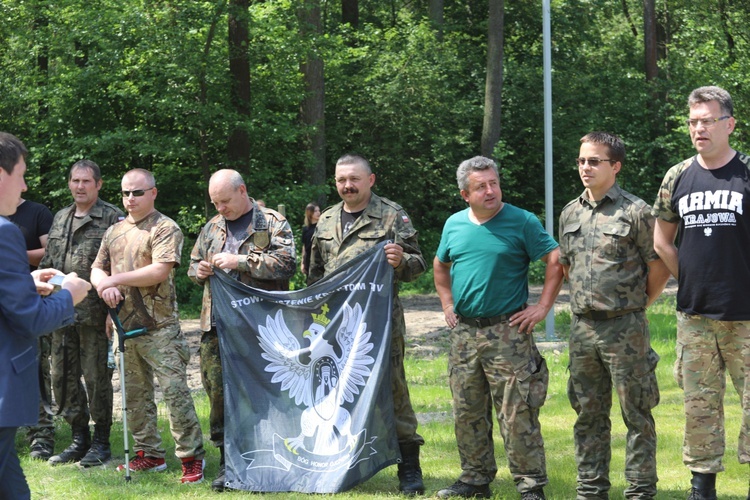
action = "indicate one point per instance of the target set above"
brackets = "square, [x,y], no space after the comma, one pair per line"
[24,316]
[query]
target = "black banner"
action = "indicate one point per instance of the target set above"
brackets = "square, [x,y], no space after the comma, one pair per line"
[307,395]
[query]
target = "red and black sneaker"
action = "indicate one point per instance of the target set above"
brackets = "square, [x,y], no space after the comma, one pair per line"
[192,470]
[141,462]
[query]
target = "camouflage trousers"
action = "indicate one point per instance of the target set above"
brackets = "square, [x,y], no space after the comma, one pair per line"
[706,350]
[213,383]
[162,353]
[44,431]
[501,366]
[614,352]
[406,419]
[84,349]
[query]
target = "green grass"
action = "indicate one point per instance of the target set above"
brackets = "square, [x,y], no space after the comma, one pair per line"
[431,397]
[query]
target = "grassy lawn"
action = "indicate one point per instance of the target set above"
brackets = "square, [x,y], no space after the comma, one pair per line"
[440,462]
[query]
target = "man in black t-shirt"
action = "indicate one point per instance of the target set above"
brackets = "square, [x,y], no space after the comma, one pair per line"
[34,221]
[707,198]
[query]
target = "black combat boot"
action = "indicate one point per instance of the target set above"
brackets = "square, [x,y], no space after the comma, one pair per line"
[77,449]
[218,483]
[409,471]
[100,451]
[703,487]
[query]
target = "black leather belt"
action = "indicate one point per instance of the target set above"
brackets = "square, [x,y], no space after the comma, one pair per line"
[492,320]
[605,315]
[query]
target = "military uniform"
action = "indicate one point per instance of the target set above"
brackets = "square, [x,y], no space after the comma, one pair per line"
[268,261]
[382,220]
[72,246]
[163,352]
[608,245]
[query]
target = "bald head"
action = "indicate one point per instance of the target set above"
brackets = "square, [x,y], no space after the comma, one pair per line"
[229,195]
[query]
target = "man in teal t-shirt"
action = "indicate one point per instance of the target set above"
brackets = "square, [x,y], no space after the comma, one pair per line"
[481,275]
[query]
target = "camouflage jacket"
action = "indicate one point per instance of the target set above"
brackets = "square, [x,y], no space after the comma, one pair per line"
[269,254]
[608,246]
[82,245]
[382,220]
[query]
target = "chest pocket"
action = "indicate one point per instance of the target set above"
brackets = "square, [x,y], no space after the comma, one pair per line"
[616,238]
[373,234]
[88,246]
[570,232]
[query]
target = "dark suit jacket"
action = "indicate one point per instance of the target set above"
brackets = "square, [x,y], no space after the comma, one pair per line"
[24,316]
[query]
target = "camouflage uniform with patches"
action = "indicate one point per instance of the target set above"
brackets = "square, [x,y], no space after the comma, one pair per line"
[72,247]
[163,352]
[382,220]
[269,262]
[709,344]
[608,245]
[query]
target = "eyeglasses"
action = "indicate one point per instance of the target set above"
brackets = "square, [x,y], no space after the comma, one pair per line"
[706,122]
[136,192]
[593,162]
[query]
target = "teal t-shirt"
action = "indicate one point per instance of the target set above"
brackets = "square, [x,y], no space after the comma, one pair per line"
[490,262]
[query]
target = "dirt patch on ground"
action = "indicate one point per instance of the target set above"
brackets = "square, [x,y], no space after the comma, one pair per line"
[426,332]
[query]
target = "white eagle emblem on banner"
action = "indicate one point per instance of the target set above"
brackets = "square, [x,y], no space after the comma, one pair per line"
[325,382]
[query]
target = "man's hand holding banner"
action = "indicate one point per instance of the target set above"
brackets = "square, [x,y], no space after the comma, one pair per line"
[308,404]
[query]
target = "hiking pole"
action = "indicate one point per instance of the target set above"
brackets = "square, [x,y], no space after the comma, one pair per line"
[122,335]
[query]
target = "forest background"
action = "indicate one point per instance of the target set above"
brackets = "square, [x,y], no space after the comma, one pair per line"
[279,89]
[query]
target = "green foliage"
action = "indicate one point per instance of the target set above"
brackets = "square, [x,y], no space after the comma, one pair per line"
[146,84]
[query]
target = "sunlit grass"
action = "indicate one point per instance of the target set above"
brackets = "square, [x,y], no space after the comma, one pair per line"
[428,381]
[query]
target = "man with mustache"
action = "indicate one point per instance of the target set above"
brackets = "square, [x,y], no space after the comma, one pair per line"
[347,229]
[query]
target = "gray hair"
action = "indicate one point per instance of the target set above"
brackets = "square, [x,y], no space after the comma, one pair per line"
[476,164]
[352,159]
[712,93]
[227,174]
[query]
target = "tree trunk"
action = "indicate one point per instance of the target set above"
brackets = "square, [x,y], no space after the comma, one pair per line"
[41,25]
[630,19]
[238,148]
[312,108]
[203,85]
[649,40]
[494,79]
[724,15]
[349,12]
[436,16]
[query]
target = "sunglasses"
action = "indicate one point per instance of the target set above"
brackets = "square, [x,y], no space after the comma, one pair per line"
[136,192]
[594,162]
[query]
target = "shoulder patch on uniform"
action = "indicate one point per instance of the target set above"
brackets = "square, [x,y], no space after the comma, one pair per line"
[405,218]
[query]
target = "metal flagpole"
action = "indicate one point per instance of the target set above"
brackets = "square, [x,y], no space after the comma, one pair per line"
[548,207]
